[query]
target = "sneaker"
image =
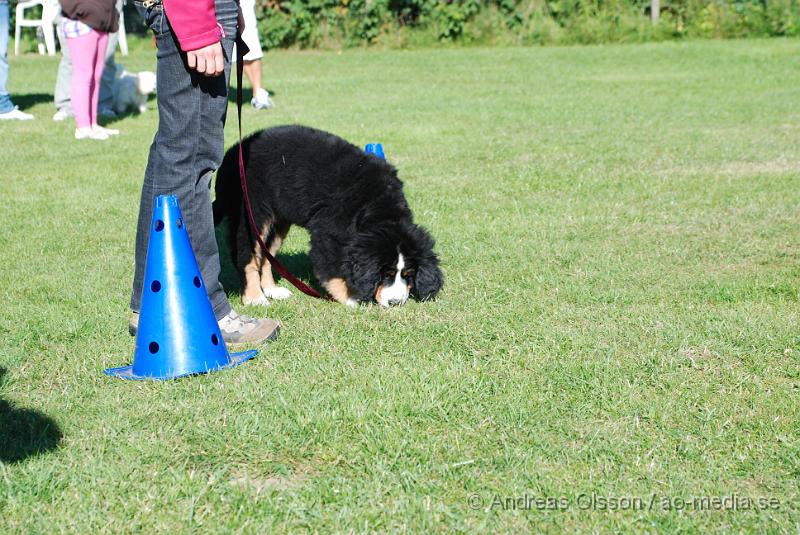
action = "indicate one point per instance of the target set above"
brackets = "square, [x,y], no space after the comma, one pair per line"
[15,115]
[106,131]
[261,100]
[89,133]
[236,328]
[62,115]
[240,329]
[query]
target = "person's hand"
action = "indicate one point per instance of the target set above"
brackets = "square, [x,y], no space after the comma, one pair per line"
[207,60]
[240,20]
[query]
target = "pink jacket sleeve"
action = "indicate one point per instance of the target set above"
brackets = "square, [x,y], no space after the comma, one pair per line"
[194,22]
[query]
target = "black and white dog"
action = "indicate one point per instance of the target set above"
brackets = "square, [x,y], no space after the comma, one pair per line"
[365,246]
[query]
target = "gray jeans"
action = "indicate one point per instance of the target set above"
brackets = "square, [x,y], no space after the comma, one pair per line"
[63,96]
[188,147]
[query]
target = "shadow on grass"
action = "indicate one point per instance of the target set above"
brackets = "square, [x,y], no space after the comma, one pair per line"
[25,432]
[299,264]
[152,107]
[28,100]
[106,121]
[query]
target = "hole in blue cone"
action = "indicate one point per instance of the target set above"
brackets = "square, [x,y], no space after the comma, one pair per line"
[197,281]
[155,286]
[153,347]
[180,223]
[215,339]
[159,225]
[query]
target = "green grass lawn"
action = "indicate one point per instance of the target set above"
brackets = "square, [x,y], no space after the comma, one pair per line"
[618,227]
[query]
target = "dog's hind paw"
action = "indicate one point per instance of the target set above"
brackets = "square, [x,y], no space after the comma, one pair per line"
[258,301]
[277,293]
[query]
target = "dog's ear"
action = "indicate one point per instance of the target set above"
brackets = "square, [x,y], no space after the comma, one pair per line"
[429,279]
[362,267]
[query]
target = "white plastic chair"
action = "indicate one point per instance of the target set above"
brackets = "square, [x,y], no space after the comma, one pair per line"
[50,9]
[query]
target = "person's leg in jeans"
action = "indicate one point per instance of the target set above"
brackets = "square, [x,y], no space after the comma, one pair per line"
[5,99]
[187,148]
[106,105]
[211,146]
[173,166]
[7,108]
[63,89]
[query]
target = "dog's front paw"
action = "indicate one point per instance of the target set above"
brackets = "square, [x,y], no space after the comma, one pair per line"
[255,301]
[277,293]
[352,303]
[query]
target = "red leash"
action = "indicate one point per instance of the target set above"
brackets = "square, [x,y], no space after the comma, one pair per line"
[241,50]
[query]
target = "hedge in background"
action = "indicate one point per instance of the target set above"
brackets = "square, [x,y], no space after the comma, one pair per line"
[401,23]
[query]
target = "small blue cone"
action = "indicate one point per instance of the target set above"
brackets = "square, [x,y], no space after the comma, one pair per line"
[376,149]
[178,334]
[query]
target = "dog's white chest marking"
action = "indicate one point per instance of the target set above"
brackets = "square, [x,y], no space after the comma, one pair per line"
[397,292]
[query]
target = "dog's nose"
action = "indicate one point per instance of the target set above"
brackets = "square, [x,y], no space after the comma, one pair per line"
[393,302]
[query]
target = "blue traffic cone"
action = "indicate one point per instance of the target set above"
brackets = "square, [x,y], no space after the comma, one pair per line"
[376,149]
[178,334]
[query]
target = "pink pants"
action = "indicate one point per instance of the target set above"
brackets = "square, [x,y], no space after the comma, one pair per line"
[88,57]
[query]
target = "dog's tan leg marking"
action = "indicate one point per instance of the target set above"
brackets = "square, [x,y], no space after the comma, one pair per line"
[267,280]
[338,289]
[253,295]
[268,285]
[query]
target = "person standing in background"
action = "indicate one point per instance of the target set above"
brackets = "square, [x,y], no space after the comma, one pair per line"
[8,111]
[62,99]
[86,26]
[252,60]
[195,41]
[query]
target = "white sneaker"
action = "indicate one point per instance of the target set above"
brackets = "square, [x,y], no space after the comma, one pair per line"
[261,100]
[106,131]
[62,115]
[15,115]
[88,133]
[240,329]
